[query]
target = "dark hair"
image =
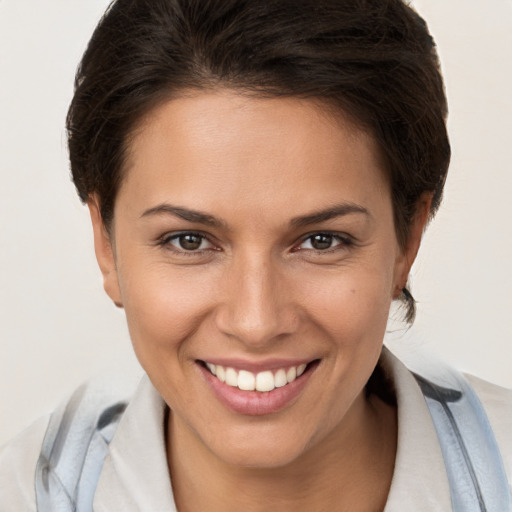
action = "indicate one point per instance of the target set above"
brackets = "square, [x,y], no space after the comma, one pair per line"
[373,59]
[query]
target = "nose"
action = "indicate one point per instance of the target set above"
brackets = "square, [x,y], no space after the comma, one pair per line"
[258,307]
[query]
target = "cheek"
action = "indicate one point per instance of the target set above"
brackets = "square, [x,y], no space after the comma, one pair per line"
[351,304]
[163,307]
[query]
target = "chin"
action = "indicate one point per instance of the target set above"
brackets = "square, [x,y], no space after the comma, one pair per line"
[257,456]
[261,448]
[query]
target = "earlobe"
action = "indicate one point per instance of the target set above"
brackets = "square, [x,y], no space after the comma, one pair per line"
[409,252]
[104,253]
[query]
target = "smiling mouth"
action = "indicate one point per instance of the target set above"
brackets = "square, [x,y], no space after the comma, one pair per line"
[263,381]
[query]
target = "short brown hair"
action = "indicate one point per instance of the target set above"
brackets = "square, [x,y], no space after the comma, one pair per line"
[374,59]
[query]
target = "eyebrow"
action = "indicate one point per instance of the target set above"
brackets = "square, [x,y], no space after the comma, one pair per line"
[185,214]
[329,213]
[301,221]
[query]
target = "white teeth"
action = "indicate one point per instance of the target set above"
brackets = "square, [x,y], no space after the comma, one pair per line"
[263,381]
[220,373]
[231,377]
[246,380]
[280,379]
[291,374]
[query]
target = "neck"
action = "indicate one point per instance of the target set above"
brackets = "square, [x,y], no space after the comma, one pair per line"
[351,469]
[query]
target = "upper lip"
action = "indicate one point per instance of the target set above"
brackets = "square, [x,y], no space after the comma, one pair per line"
[257,366]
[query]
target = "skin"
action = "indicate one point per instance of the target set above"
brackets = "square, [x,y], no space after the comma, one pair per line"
[257,289]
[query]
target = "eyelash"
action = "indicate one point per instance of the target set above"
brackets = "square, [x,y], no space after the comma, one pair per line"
[344,242]
[165,242]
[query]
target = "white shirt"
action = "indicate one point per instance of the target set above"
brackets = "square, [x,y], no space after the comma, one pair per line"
[135,475]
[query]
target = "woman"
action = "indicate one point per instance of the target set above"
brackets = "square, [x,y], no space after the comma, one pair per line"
[259,175]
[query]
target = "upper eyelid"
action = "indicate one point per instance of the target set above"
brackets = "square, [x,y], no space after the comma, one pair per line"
[172,235]
[335,234]
[345,241]
[169,235]
[166,238]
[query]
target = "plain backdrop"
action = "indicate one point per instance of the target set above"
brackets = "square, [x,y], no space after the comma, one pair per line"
[57,326]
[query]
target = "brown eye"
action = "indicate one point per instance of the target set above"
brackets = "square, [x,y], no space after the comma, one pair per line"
[186,242]
[324,242]
[190,241]
[321,242]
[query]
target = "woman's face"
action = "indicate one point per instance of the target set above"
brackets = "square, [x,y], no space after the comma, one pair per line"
[253,237]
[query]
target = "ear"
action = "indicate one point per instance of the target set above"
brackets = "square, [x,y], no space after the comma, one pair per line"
[408,253]
[104,253]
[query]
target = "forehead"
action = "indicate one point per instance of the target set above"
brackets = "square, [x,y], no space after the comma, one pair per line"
[226,151]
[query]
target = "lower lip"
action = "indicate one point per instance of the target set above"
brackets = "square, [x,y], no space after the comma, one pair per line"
[256,403]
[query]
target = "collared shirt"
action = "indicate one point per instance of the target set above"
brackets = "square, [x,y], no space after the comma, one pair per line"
[135,474]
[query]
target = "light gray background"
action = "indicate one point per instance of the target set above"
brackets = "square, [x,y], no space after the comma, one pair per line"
[58,328]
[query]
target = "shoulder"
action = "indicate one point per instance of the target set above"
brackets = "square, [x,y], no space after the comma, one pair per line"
[18,461]
[497,402]
[94,408]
